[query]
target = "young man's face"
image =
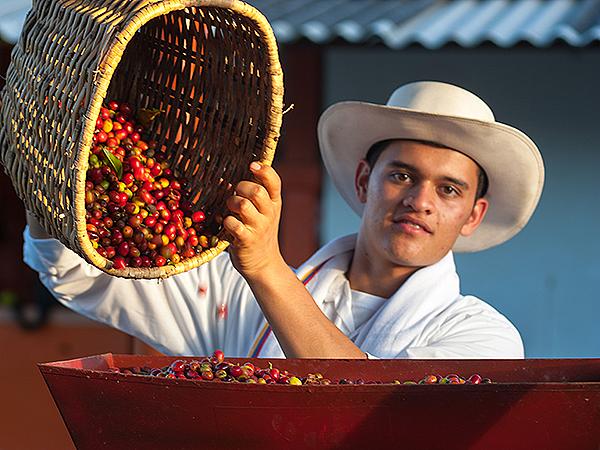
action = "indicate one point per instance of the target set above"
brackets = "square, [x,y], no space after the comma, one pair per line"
[418,199]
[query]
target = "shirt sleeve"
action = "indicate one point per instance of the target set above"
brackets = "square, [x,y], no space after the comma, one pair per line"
[192,313]
[473,330]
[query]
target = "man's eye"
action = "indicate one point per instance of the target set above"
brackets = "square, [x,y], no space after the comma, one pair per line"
[400,176]
[450,190]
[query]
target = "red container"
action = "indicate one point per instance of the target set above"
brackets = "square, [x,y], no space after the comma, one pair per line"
[533,404]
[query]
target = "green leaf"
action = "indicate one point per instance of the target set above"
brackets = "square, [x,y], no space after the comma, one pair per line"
[146,116]
[113,162]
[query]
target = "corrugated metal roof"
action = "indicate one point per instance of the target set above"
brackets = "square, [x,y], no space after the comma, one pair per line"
[400,23]
[435,23]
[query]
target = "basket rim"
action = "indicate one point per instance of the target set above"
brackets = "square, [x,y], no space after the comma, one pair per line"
[106,71]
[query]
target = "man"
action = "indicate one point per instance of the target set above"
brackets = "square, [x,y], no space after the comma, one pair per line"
[429,172]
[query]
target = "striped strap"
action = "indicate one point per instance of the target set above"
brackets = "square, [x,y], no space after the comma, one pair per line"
[266,330]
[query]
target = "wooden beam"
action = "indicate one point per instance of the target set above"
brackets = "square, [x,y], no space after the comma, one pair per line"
[298,159]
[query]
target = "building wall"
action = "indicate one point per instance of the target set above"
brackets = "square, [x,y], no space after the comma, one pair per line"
[545,280]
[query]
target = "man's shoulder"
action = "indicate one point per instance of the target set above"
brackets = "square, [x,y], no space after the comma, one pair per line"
[471,301]
[475,321]
[474,310]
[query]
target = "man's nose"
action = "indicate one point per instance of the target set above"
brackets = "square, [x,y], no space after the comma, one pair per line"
[420,198]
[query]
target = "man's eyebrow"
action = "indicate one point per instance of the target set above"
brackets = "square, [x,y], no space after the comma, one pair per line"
[456,181]
[413,169]
[403,165]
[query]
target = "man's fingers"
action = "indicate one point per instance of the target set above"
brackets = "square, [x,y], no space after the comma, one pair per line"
[251,206]
[236,228]
[257,194]
[243,208]
[267,176]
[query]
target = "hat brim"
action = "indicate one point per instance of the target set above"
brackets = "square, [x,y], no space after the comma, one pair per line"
[511,160]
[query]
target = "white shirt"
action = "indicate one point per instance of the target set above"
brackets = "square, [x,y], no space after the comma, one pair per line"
[364,305]
[212,307]
[348,308]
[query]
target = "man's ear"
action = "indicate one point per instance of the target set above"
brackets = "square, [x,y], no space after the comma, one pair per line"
[361,180]
[475,218]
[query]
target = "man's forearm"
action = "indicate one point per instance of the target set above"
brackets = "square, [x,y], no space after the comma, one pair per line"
[303,331]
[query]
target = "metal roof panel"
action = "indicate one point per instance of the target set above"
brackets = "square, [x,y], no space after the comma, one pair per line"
[400,23]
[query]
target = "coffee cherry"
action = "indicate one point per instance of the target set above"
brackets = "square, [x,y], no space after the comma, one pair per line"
[107,126]
[119,263]
[249,368]
[168,250]
[117,237]
[134,251]
[128,179]
[219,355]
[165,215]
[125,109]
[475,379]
[135,221]
[430,379]
[136,261]
[235,371]
[120,134]
[178,365]
[198,216]
[295,381]
[101,136]
[203,241]
[127,232]
[123,248]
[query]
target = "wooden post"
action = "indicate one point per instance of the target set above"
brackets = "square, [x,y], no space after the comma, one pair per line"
[298,160]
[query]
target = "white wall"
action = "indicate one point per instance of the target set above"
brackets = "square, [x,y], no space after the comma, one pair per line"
[546,280]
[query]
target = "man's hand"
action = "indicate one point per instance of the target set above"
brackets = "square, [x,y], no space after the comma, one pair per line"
[254,223]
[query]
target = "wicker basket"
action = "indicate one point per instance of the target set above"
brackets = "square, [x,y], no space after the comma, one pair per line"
[211,65]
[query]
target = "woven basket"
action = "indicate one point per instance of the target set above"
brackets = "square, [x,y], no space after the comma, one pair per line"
[211,65]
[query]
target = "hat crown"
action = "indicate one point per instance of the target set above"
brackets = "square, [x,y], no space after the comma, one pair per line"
[433,97]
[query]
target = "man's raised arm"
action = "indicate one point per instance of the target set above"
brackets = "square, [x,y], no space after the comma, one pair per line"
[301,328]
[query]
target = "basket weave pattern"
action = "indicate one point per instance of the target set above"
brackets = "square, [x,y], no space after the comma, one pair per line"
[210,66]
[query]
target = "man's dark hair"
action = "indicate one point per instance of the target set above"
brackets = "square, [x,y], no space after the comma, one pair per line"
[378,147]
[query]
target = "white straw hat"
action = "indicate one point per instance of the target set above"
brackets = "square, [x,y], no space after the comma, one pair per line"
[455,118]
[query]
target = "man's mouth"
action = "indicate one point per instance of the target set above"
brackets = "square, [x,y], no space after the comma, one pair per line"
[413,224]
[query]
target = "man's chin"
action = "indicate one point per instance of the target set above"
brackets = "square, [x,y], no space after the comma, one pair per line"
[408,258]
[411,256]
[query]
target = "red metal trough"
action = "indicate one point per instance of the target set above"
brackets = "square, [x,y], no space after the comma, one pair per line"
[533,404]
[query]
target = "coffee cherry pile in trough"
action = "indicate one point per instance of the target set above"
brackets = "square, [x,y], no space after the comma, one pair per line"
[451,379]
[216,368]
[138,213]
